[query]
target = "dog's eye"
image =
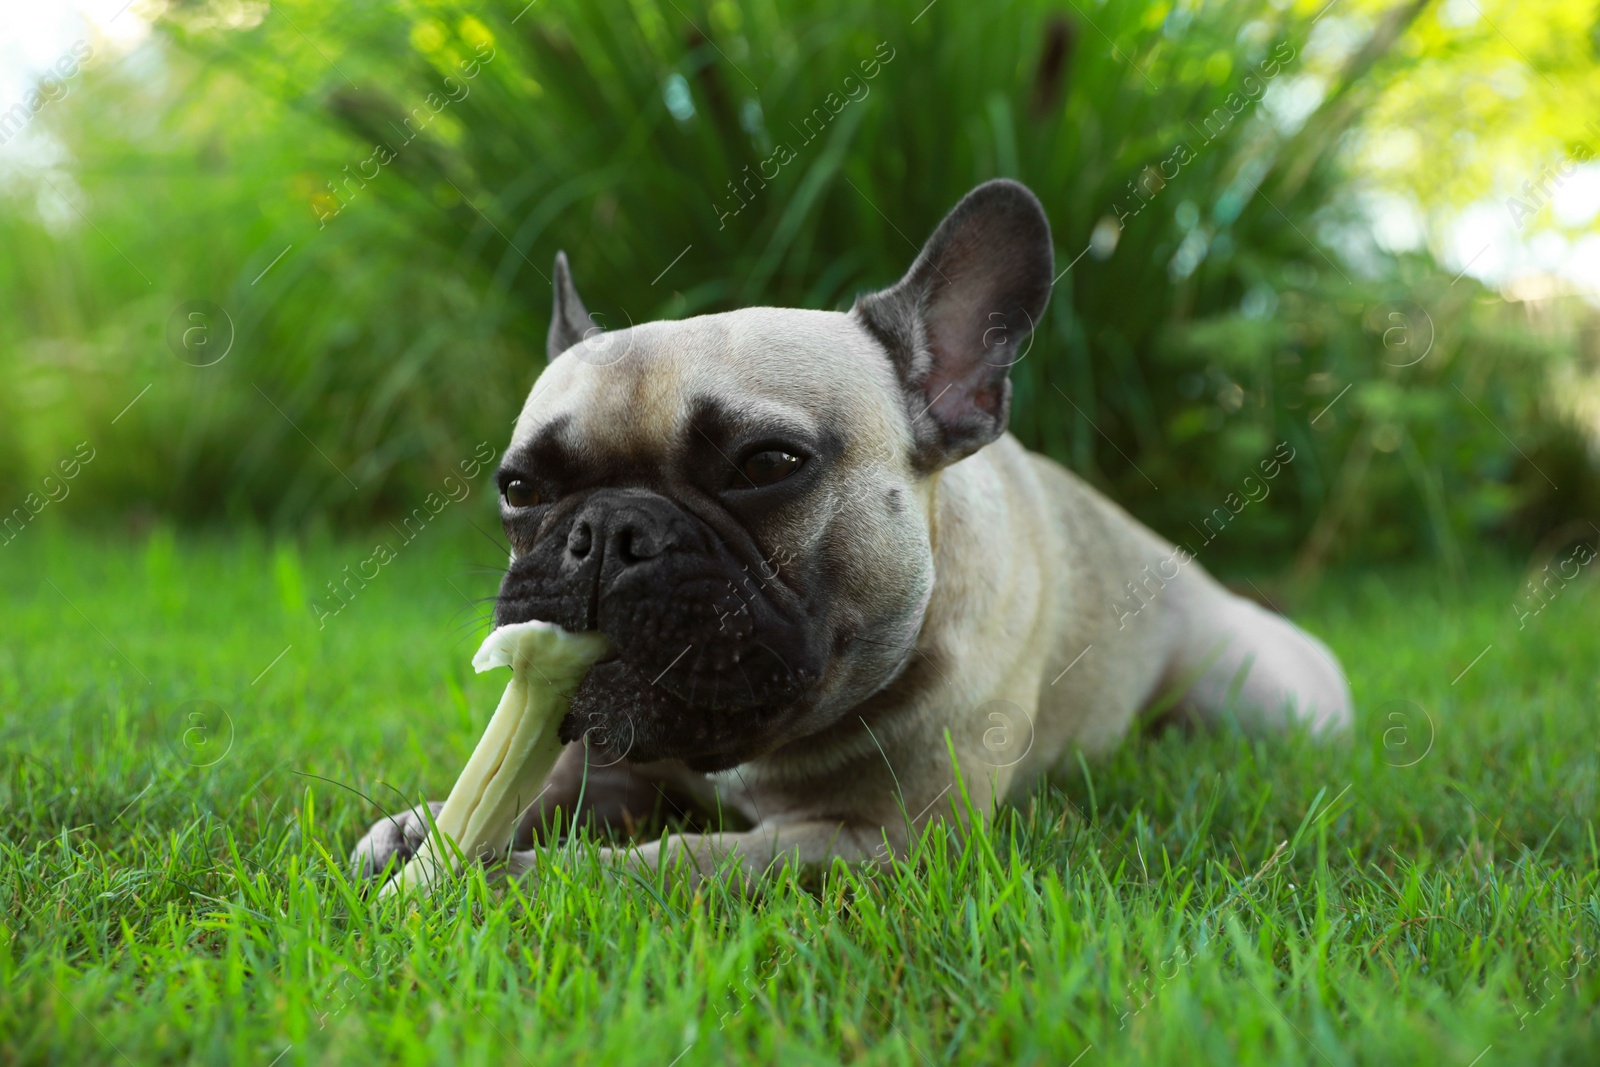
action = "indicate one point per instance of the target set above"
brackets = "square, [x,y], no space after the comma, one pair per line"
[769,467]
[519,494]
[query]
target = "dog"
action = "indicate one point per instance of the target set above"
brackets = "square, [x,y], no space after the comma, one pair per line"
[840,595]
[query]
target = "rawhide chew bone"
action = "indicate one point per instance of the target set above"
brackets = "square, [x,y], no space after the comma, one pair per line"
[517,751]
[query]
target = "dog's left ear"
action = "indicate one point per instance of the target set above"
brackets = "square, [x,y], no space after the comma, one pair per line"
[956,322]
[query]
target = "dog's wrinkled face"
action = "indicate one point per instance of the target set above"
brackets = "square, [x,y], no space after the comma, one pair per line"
[740,501]
[729,499]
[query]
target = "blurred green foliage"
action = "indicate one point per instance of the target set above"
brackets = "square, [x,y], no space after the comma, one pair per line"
[374,196]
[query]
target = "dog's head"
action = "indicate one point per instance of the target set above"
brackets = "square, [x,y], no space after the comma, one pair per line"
[740,501]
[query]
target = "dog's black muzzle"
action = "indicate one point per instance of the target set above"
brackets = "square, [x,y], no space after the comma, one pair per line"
[709,646]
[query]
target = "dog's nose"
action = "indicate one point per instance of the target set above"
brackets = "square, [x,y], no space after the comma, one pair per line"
[627,532]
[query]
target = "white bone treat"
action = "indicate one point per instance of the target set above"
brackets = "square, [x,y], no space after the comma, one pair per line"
[508,768]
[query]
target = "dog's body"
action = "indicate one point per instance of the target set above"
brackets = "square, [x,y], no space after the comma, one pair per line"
[826,568]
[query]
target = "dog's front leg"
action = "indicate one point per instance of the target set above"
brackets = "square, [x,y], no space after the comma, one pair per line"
[742,860]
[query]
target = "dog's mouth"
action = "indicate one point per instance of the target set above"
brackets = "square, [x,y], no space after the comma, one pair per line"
[710,650]
[621,713]
[712,699]
[688,677]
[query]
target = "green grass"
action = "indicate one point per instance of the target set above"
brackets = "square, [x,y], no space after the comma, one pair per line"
[155,911]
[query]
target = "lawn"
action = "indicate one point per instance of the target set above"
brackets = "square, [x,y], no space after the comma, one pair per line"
[172,883]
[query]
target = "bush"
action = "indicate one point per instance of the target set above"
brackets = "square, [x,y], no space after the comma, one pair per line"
[694,159]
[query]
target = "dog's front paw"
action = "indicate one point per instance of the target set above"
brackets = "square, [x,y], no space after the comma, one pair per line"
[393,837]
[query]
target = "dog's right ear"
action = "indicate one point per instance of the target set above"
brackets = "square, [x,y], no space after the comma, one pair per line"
[569,322]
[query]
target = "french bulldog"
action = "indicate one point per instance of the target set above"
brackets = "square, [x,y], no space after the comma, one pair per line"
[843,600]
